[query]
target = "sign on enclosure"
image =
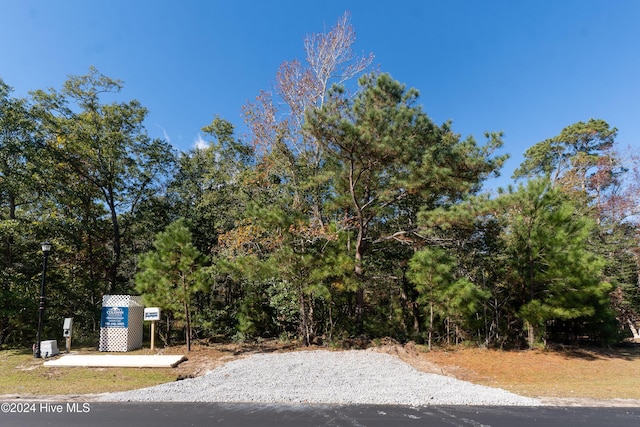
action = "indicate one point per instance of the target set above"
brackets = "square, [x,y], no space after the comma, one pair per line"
[114,317]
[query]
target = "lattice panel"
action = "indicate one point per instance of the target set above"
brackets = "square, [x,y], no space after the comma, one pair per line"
[123,338]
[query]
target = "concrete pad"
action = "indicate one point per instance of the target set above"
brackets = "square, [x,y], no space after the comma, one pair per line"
[116,361]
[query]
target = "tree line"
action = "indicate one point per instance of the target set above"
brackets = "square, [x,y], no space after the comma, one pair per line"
[346,213]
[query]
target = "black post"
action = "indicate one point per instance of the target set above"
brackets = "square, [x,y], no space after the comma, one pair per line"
[46,247]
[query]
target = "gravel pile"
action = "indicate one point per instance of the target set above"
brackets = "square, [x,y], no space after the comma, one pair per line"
[346,377]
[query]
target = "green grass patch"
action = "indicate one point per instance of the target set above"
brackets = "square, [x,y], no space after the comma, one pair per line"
[24,375]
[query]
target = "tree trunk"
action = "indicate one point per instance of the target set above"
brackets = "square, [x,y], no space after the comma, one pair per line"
[115,225]
[430,324]
[531,334]
[362,225]
[10,240]
[447,322]
[187,316]
[359,276]
[304,327]
[409,300]
[188,325]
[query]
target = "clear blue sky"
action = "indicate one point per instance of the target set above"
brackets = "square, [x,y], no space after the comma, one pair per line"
[528,68]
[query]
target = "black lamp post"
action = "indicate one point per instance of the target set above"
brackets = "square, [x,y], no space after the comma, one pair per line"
[46,248]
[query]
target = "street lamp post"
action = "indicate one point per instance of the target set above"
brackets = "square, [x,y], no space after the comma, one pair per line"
[46,248]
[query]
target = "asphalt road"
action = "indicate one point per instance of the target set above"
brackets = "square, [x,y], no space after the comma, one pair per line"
[61,414]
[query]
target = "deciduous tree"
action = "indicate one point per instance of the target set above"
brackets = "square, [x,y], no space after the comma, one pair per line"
[104,146]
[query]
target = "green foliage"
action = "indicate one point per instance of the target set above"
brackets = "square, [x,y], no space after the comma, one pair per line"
[102,155]
[552,270]
[209,187]
[348,215]
[447,297]
[172,274]
[21,219]
[389,160]
[570,155]
[582,162]
[463,300]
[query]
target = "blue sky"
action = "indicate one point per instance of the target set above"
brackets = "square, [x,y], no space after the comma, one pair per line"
[528,68]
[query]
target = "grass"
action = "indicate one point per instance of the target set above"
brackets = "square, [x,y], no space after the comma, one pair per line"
[557,373]
[24,375]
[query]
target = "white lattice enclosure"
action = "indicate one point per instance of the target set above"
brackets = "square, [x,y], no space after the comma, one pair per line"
[121,323]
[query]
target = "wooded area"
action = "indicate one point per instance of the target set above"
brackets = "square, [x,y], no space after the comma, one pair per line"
[347,213]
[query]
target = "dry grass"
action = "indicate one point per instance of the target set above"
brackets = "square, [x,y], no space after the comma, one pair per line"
[562,372]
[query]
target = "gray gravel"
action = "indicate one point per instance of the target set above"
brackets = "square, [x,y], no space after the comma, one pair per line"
[345,377]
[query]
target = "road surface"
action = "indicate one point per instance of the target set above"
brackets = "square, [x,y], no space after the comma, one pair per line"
[62,414]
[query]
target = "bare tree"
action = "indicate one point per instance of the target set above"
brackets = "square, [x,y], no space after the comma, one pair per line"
[276,118]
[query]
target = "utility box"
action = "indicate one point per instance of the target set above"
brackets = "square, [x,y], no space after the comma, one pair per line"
[66,327]
[49,348]
[121,323]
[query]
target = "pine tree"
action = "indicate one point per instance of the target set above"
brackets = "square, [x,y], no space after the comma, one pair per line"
[170,276]
[552,273]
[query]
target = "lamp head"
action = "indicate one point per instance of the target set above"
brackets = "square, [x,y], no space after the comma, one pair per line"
[46,247]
